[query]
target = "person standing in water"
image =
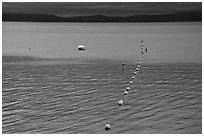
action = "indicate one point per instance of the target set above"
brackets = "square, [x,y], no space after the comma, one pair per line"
[123,67]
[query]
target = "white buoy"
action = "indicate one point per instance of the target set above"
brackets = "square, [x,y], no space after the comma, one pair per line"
[137,69]
[142,44]
[127,88]
[81,47]
[135,73]
[138,65]
[140,59]
[107,127]
[120,103]
[133,77]
[126,92]
[140,62]
[130,82]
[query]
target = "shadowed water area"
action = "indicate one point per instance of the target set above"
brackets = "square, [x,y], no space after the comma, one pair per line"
[62,97]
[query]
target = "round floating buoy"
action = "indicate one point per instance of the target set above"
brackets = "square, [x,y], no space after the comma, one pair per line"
[127,88]
[107,127]
[135,73]
[140,59]
[133,77]
[126,92]
[120,102]
[137,69]
[140,62]
[142,44]
[81,47]
[130,82]
[138,65]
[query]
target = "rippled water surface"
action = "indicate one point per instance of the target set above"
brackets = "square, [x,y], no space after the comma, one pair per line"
[82,98]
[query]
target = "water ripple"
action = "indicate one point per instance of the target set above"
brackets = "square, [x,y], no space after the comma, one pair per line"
[76,98]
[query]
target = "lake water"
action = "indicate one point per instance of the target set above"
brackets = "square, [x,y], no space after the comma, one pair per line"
[80,95]
[166,42]
[65,98]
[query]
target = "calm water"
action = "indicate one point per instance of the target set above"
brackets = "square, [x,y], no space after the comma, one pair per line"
[166,42]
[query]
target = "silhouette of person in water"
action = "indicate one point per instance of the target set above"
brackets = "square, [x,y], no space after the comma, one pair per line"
[123,67]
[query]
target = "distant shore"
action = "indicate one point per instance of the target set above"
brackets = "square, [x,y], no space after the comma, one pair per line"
[177,17]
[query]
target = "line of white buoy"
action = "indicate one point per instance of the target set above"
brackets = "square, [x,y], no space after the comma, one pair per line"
[127,90]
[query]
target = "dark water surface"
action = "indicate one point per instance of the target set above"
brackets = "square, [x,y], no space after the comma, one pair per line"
[82,98]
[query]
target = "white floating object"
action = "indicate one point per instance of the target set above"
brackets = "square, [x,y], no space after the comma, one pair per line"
[138,65]
[135,73]
[140,59]
[120,102]
[81,47]
[127,88]
[142,44]
[107,127]
[140,62]
[130,82]
[137,69]
[126,92]
[133,77]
